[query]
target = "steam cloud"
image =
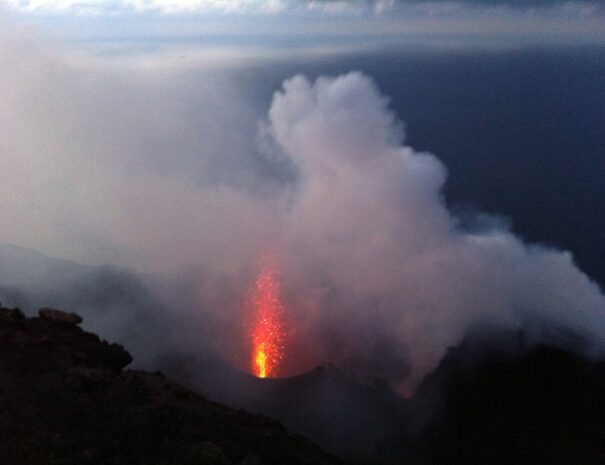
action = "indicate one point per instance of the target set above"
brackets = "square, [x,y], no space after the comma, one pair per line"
[170,172]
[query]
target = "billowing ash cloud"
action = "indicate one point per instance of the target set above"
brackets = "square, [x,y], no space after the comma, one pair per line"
[367,226]
[170,172]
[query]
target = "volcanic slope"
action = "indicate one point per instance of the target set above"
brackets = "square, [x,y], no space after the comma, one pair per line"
[65,398]
[497,398]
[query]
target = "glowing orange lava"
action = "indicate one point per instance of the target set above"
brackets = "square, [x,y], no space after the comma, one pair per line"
[268,331]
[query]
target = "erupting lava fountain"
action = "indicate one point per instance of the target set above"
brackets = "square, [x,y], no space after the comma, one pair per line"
[269,326]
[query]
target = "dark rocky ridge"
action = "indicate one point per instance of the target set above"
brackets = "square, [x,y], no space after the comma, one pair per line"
[496,398]
[65,398]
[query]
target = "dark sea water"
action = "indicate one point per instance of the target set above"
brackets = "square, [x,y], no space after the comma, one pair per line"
[522,133]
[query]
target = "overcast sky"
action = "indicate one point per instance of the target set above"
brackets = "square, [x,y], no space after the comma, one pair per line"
[119,26]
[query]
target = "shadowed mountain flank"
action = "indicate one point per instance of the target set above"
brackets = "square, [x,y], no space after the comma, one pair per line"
[498,397]
[499,400]
[65,398]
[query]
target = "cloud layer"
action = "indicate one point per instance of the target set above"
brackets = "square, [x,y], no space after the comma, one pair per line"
[179,6]
[127,27]
[171,172]
[255,6]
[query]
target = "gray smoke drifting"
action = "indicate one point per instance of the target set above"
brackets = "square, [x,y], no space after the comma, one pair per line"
[175,172]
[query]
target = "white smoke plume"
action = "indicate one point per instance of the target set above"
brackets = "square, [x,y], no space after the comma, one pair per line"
[168,171]
[368,215]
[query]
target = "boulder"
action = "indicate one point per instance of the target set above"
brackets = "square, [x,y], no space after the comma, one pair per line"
[60,316]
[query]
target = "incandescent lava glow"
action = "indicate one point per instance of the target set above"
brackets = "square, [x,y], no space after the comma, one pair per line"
[269,328]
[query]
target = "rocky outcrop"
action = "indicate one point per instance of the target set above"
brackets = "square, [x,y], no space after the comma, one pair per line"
[65,398]
[60,316]
[501,400]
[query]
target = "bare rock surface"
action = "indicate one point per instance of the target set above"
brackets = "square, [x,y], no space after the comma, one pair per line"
[66,399]
[60,316]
